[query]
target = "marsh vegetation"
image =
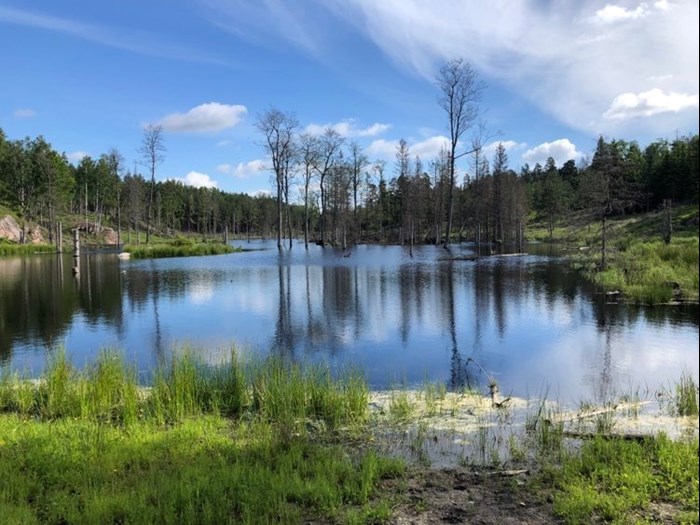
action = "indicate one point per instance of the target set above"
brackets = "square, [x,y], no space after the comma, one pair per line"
[254,442]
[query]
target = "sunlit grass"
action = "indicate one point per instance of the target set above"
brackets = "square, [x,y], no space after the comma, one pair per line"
[202,444]
[203,470]
[638,263]
[653,272]
[618,481]
[178,249]
[9,248]
[272,441]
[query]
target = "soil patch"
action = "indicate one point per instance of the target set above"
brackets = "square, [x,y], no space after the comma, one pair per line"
[466,496]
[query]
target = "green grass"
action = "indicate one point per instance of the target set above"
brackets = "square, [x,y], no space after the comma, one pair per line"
[236,443]
[653,272]
[681,398]
[10,248]
[203,470]
[178,248]
[273,442]
[618,481]
[639,264]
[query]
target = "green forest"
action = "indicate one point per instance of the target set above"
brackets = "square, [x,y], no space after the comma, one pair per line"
[362,200]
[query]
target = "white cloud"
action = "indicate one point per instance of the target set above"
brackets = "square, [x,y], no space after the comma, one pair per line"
[510,146]
[612,13]
[426,149]
[648,103]
[24,113]
[347,128]
[77,156]
[243,170]
[210,117]
[198,180]
[560,150]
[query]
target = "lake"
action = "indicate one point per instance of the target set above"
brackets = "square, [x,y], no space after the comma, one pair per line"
[528,321]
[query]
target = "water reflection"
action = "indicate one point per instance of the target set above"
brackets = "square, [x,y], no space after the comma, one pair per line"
[528,320]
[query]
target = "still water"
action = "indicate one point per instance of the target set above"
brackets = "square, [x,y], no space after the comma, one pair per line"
[526,320]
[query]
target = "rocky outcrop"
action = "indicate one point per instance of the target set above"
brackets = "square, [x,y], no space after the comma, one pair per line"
[9,229]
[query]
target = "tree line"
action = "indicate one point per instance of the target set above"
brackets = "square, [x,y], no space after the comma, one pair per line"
[333,193]
[327,189]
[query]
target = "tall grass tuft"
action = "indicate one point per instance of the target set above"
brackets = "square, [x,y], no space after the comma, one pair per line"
[57,394]
[686,396]
[110,390]
[178,250]
[288,393]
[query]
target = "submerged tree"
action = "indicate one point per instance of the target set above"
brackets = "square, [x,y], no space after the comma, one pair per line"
[460,93]
[152,152]
[278,130]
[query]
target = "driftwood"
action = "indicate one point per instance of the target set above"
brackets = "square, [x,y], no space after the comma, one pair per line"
[593,435]
[506,473]
[607,410]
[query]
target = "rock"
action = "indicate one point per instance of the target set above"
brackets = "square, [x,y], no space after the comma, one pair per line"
[110,236]
[35,235]
[9,229]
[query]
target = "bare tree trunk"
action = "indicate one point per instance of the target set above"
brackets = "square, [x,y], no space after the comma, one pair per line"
[604,244]
[668,226]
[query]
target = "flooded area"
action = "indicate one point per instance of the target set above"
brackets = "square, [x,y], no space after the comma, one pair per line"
[529,323]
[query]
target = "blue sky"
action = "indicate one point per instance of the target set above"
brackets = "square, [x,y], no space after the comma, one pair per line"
[89,75]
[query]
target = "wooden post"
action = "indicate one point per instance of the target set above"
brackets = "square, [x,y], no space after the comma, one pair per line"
[76,252]
[59,237]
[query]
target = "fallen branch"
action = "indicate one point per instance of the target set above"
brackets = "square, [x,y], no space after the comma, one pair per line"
[593,435]
[507,472]
[607,410]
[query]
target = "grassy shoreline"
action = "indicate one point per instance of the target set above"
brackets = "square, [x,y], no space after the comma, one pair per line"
[272,442]
[640,267]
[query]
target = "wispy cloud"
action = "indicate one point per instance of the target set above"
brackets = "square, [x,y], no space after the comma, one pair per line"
[210,117]
[24,113]
[349,129]
[584,56]
[243,170]
[131,40]
[264,22]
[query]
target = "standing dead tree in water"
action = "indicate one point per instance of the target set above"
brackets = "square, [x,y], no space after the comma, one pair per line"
[460,92]
[307,152]
[152,152]
[278,130]
[330,144]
